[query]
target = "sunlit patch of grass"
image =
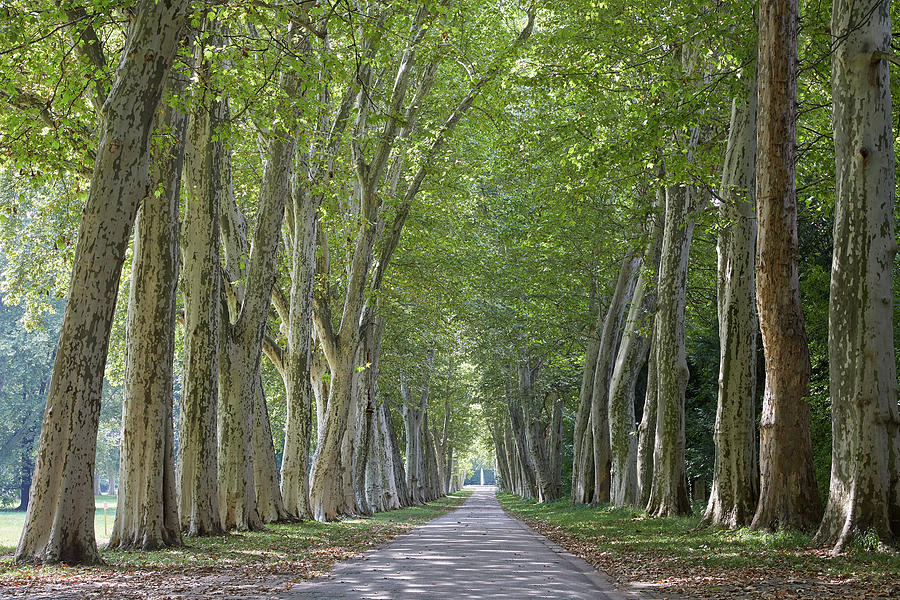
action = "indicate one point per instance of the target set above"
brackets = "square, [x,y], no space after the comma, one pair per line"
[12,522]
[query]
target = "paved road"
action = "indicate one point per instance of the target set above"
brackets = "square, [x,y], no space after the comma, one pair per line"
[477,551]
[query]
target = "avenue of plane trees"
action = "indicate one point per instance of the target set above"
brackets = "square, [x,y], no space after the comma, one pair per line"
[400,223]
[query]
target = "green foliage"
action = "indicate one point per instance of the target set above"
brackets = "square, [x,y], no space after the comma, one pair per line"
[26,358]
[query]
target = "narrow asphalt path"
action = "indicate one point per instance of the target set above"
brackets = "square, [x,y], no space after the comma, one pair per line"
[477,551]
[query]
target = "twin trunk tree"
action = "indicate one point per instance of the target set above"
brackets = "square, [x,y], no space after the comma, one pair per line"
[592,459]
[631,357]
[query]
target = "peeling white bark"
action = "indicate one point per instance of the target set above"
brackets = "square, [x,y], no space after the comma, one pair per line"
[735,485]
[668,489]
[865,472]
[197,451]
[147,510]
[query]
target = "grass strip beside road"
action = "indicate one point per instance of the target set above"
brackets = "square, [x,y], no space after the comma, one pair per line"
[672,556]
[12,521]
[298,550]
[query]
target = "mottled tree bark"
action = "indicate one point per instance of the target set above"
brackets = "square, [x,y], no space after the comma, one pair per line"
[502,459]
[201,285]
[59,523]
[668,489]
[606,356]
[865,471]
[788,493]
[147,510]
[735,486]
[403,495]
[554,443]
[631,357]
[524,460]
[414,422]
[583,459]
[269,502]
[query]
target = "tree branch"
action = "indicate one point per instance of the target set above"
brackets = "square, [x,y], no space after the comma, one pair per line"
[891,58]
[274,353]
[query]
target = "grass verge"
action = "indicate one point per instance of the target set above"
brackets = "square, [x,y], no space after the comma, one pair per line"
[12,521]
[672,556]
[224,564]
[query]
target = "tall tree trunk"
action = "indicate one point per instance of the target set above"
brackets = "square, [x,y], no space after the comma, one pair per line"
[59,523]
[431,474]
[735,486]
[374,476]
[865,470]
[269,502]
[536,432]
[236,480]
[606,356]
[583,450]
[631,357]
[147,510]
[112,473]
[554,444]
[298,427]
[788,493]
[365,409]
[539,448]
[327,497]
[26,467]
[668,490]
[448,483]
[525,462]
[413,419]
[198,489]
[442,448]
[403,494]
[392,495]
[518,486]
[647,426]
[505,482]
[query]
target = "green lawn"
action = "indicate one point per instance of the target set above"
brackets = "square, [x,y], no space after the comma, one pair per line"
[291,550]
[673,555]
[11,523]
